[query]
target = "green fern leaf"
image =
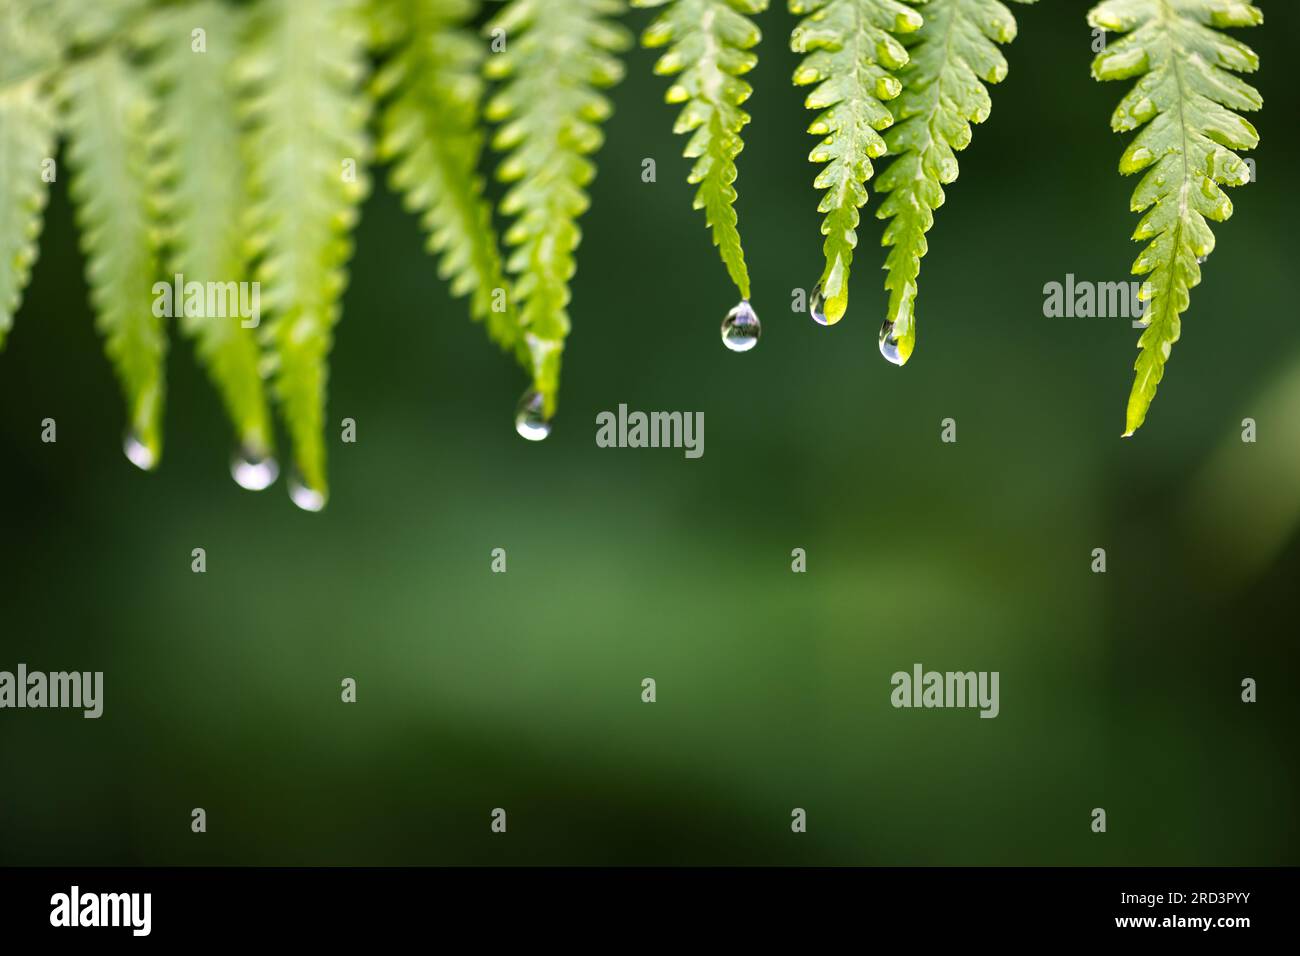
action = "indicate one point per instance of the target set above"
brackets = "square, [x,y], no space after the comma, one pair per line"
[37,36]
[558,55]
[108,116]
[200,190]
[1184,104]
[27,123]
[429,131]
[29,42]
[84,24]
[710,46]
[850,53]
[953,56]
[26,142]
[306,148]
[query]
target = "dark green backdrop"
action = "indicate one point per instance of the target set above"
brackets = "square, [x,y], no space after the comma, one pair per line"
[522,690]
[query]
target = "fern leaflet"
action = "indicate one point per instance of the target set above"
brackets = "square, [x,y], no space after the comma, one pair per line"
[432,91]
[952,56]
[710,47]
[201,200]
[108,117]
[558,55]
[850,53]
[306,150]
[1183,102]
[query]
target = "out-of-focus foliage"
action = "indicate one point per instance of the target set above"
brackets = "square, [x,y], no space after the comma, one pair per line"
[194,196]
[225,146]
[431,88]
[109,114]
[305,116]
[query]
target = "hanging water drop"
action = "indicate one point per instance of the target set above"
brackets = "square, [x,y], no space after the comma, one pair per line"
[741,328]
[817,306]
[304,496]
[1200,260]
[889,344]
[138,453]
[530,418]
[252,471]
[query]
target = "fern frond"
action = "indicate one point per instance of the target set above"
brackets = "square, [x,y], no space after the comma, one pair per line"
[108,117]
[1184,102]
[429,130]
[953,56]
[26,142]
[29,42]
[851,54]
[710,47]
[559,54]
[82,24]
[39,37]
[27,118]
[200,188]
[306,149]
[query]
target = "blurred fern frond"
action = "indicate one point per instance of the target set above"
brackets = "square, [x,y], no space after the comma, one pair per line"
[431,91]
[307,149]
[27,124]
[26,142]
[710,47]
[201,202]
[108,118]
[1184,104]
[553,58]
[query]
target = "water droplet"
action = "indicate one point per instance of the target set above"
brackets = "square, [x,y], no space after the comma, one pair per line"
[253,471]
[530,422]
[741,328]
[889,343]
[138,453]
[817,306]
[304,496]
[1200,260]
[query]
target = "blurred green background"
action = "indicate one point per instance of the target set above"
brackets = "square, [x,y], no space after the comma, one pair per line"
[522,690]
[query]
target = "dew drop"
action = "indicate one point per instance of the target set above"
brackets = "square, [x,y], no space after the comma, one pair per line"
[252,471]
[741,328]
[817,306]
[304,496]
[1200,260]
[138,453]
[530,422]
[889,343]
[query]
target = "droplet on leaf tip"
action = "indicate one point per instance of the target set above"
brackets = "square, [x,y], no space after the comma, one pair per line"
[741,328]
[304,496]
[889,344]
[530,418]
[138,453]
[817,306]
[252,471]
